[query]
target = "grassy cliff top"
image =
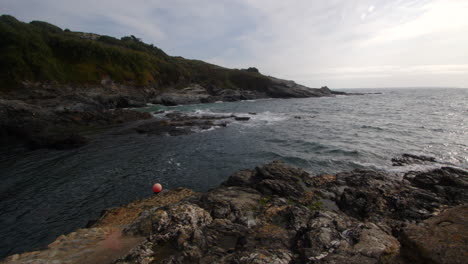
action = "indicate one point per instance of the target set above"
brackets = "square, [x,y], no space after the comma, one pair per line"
[42,52]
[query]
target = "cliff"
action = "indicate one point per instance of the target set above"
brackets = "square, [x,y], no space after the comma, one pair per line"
[55,84]
[38,53]
[280,214]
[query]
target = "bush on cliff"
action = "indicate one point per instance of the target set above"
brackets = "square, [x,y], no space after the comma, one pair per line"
[42,52]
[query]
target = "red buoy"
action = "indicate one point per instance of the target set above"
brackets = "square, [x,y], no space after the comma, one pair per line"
[157,188]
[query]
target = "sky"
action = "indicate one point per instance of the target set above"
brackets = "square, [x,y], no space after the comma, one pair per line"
[338,43]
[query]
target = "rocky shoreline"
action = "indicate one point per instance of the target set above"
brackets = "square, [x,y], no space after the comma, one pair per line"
[177,124]
[276,213]
[61,116]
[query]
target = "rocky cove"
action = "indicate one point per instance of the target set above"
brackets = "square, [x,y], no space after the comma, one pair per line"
[57,116]
[89,122]
[277,213]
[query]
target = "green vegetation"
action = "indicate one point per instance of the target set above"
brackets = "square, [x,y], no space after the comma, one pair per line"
[316,205]
[41,52]
[264,201]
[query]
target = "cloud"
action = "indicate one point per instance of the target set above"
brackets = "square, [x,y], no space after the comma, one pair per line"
[340,43]
[299,40]
[436,17]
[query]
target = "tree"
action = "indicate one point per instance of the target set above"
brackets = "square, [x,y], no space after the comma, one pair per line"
[252,69]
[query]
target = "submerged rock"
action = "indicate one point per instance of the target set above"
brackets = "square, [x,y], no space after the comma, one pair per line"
[177,124]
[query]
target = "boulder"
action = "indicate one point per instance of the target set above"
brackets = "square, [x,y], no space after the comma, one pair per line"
[439,239]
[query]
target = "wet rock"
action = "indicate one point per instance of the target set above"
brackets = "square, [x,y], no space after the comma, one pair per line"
[408,159]
[279,187]
[278,170]
[177,124]
[242,118]
[126,102]
[277,178]
[448,183]
[242,178]
[180,99]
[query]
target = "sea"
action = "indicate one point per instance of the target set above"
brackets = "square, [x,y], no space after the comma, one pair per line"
[46,193]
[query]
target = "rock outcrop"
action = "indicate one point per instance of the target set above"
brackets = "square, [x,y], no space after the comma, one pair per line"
[177,124]
[41,126]
[55,116]
[276,88]
[408,159]
[440,239]
[280,214]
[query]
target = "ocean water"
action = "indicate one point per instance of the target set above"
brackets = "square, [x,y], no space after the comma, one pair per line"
[46,193]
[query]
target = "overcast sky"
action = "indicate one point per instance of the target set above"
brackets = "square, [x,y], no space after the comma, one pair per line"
[339,43]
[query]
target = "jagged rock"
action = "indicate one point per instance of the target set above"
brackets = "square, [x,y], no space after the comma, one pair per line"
[408,159]
[368,194]
[278,214]
[177,221]
[177,124]
[262,256]
[242,178]
[232,203]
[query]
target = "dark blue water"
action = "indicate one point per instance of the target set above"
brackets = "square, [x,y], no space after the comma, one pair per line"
[46,193]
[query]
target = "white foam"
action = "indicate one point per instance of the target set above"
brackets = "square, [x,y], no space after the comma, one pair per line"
[258,119]
[209,129]
[199,130]
[203,112]
[269,117]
